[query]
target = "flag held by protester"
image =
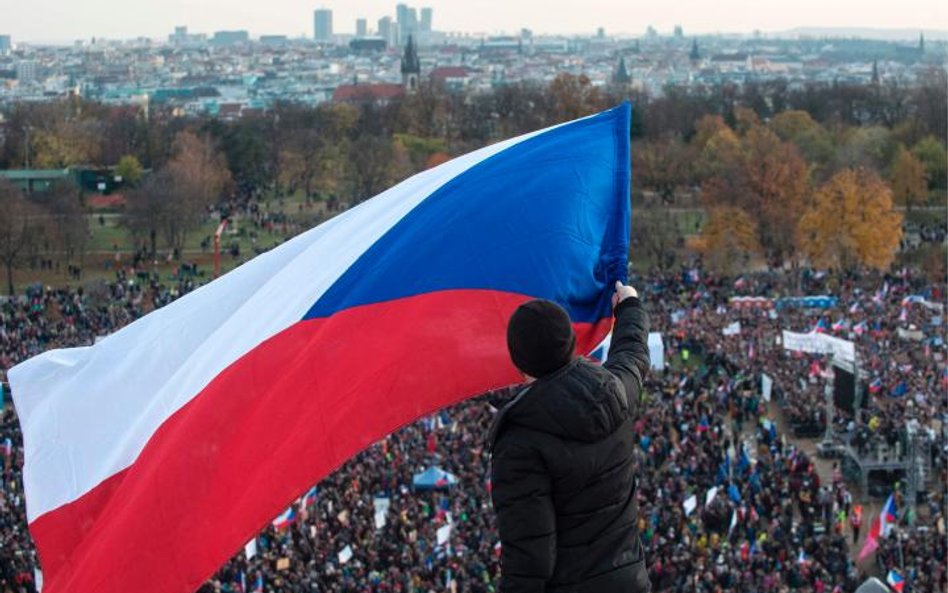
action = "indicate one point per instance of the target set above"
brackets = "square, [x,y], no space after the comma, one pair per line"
[880,528]
[154,455]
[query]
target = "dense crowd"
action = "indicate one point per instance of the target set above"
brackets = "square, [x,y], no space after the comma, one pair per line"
[729,499]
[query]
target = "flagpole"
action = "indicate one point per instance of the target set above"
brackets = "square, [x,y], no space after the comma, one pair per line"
[898,538]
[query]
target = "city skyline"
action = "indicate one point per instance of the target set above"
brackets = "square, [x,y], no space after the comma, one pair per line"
[65,21]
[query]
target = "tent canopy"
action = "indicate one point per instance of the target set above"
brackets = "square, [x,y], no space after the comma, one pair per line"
[433,478]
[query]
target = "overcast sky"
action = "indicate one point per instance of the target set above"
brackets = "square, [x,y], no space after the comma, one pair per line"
[65,20]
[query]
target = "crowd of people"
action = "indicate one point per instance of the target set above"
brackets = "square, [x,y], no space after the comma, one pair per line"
[729,498]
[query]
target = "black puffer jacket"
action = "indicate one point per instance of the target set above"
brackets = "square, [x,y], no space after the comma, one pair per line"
[563,475]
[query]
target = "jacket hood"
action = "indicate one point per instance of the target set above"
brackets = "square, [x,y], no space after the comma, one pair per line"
[581,402]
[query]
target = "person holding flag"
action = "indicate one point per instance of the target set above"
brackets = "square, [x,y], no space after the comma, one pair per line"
[281,370]
[564,482]
[880,528]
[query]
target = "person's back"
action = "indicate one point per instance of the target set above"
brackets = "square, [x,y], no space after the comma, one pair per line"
[563,474]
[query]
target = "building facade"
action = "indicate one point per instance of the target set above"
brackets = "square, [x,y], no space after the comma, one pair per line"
[322,24]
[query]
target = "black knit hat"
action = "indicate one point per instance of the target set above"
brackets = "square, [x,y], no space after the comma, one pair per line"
[540,337]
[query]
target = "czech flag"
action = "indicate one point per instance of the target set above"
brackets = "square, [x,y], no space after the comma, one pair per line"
[895,581]
[880,527]
[309,499]
[285,519]
[153,456]
[889,515]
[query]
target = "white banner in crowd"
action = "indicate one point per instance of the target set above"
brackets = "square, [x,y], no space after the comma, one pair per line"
[710,496]
[345,555]
[816,343]
[656,351]
[733,329]
[38,579]
[444,533]
[911,334]
[766,386]
[690,504]
[251,549]
[380,521]
[381,504]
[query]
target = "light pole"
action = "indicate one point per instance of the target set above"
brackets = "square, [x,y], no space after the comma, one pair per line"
[26,132]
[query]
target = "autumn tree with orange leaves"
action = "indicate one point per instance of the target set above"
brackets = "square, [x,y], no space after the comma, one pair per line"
[851,223]
[728,240]
[762,176]
[909,179]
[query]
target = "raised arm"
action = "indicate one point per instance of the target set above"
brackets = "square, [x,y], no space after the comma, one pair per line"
[628,355]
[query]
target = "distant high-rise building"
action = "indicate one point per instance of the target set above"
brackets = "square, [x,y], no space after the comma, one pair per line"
[650,32]
[875,72]
[601,33]
[427,14]
[695,55]
[179,36]
[26,71]
[362,28]
[921,43]
[322,24]
[411,66]
[6,44]
[679,32]
[407,20]
[230,37]
[274,39]
[386,30]
[401,19]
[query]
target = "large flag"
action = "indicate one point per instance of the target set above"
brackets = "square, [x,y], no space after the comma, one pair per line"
[154,455]
[880,528]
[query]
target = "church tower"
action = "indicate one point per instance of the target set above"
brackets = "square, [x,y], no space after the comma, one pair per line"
[411,67]
[695,55]
[621,77]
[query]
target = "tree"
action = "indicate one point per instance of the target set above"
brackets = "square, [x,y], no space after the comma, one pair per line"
[129,169]
[662,166]
[705,129]
[908,179]
[315,145]
[768,180]
[370,166]
[655,232]
[68,225]
[869,147]
[717,154]
[246,144]
[810,138]
[198,177]
[19,229]
[932,154]
[175,200]
[574,97]
[148,207]
[728,240]
[851,222]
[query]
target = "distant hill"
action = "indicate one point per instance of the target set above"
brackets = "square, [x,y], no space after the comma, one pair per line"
[863,33]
